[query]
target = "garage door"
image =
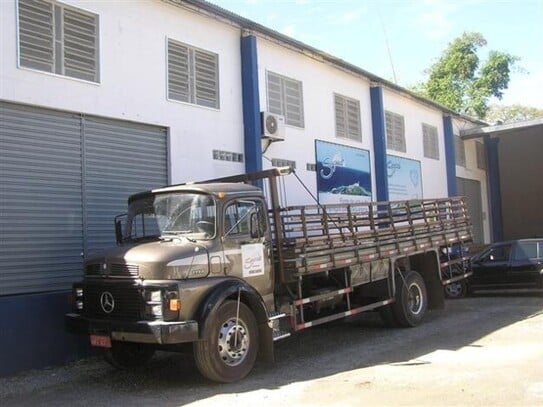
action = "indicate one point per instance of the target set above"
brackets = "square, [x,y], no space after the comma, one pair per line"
[471,189]
[63,177]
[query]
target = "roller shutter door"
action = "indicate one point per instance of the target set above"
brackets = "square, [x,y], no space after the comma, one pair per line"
[471,189]
[63,177]
[120,159]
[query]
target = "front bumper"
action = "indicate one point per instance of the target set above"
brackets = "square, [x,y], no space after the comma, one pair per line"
[154,332]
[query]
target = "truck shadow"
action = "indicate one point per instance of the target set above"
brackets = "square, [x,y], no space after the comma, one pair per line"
[330,349]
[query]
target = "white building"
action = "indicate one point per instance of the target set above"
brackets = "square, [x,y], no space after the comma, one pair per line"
[102,99]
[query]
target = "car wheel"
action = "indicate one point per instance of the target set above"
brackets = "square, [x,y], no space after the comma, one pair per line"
[455,290]
[228,350]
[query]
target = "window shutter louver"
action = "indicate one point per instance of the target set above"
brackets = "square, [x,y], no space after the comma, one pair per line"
[285,98]
[206,79]
[193,75]
[348,118]
[58,39]
[430,141]
[178,72]
[36,35]
[80,48]
[395,131]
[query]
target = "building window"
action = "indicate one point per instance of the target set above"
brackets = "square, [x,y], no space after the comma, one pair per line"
[279,162]
[193,75]
[460,151]
[481,156]
[59,39]
[311,167]
[285,99]
[395,129]
[347,118]
[227,156]
[430,141]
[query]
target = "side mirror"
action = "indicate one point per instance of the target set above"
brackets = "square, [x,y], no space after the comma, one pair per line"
[119,219]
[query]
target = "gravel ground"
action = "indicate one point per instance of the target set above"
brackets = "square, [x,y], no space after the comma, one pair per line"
[483,350]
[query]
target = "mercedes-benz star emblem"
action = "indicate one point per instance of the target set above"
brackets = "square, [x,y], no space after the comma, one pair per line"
[107,302]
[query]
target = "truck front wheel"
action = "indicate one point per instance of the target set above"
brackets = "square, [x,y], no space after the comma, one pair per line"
[228,350]
[128,355]
[411,300]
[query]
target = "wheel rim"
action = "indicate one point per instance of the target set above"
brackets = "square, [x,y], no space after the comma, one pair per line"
[233,342]
[415,299]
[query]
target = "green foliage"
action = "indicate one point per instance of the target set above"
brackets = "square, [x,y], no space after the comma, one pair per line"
[457,80]
[511,114]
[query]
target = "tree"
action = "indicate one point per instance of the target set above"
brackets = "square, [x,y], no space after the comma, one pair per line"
[459,81]
[511,114]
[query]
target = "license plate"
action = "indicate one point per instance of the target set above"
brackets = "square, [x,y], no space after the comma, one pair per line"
[100,341]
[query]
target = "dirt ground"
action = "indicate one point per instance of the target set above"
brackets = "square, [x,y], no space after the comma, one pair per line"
[485,350]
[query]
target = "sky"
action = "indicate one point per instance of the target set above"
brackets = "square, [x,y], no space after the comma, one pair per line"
[399,39]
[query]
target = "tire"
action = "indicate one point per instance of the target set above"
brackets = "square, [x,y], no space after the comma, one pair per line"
[411,302]
[128,355]
[456,290]
[228,350]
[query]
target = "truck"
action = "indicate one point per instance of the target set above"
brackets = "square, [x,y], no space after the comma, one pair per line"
[226,267]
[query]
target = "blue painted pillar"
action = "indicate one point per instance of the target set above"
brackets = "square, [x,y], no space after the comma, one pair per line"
[450,156]
[493,174]
[251,104]
[379,143]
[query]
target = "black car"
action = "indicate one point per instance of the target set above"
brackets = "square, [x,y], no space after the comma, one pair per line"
[512,264]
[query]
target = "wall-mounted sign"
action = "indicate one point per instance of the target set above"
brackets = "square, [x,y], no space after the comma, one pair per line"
[404,178]
[343,173]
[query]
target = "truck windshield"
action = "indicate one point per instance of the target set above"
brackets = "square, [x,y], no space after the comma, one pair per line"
[170,214]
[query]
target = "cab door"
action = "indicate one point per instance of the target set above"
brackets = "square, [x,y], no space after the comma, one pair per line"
[247,244]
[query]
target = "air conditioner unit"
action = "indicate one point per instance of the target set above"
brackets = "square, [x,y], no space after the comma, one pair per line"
[273,126]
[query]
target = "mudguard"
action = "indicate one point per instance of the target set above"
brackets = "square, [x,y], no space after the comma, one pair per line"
[229,289]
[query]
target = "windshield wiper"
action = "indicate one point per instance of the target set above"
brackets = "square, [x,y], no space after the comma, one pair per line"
[182,233]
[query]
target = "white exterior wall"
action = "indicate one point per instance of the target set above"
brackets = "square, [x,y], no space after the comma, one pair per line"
[434,172]
[320,82]
[133,39]
[133,80]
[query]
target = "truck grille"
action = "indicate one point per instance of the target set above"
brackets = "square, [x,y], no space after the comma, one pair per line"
[113,269]
[117,301]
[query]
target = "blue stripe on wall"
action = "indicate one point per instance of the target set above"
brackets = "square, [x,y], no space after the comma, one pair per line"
[450,156]
[379,143]
[251,104]
[493,171]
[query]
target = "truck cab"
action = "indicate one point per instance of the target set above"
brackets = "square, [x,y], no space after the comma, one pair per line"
[182,252]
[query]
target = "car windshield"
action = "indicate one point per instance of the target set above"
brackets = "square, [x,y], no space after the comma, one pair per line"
[162,215]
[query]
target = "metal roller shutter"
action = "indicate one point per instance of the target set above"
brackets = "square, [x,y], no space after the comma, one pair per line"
[41,233]
[472,190]
[63,177]
[120,159]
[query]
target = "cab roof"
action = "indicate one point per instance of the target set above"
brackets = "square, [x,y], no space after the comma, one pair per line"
[206,188]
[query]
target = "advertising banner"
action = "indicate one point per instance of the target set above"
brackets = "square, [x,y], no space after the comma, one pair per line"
[343,173]
[404,178]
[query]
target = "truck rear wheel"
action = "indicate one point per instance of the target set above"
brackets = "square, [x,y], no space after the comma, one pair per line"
[228,350]
[128,355]
[411,300]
